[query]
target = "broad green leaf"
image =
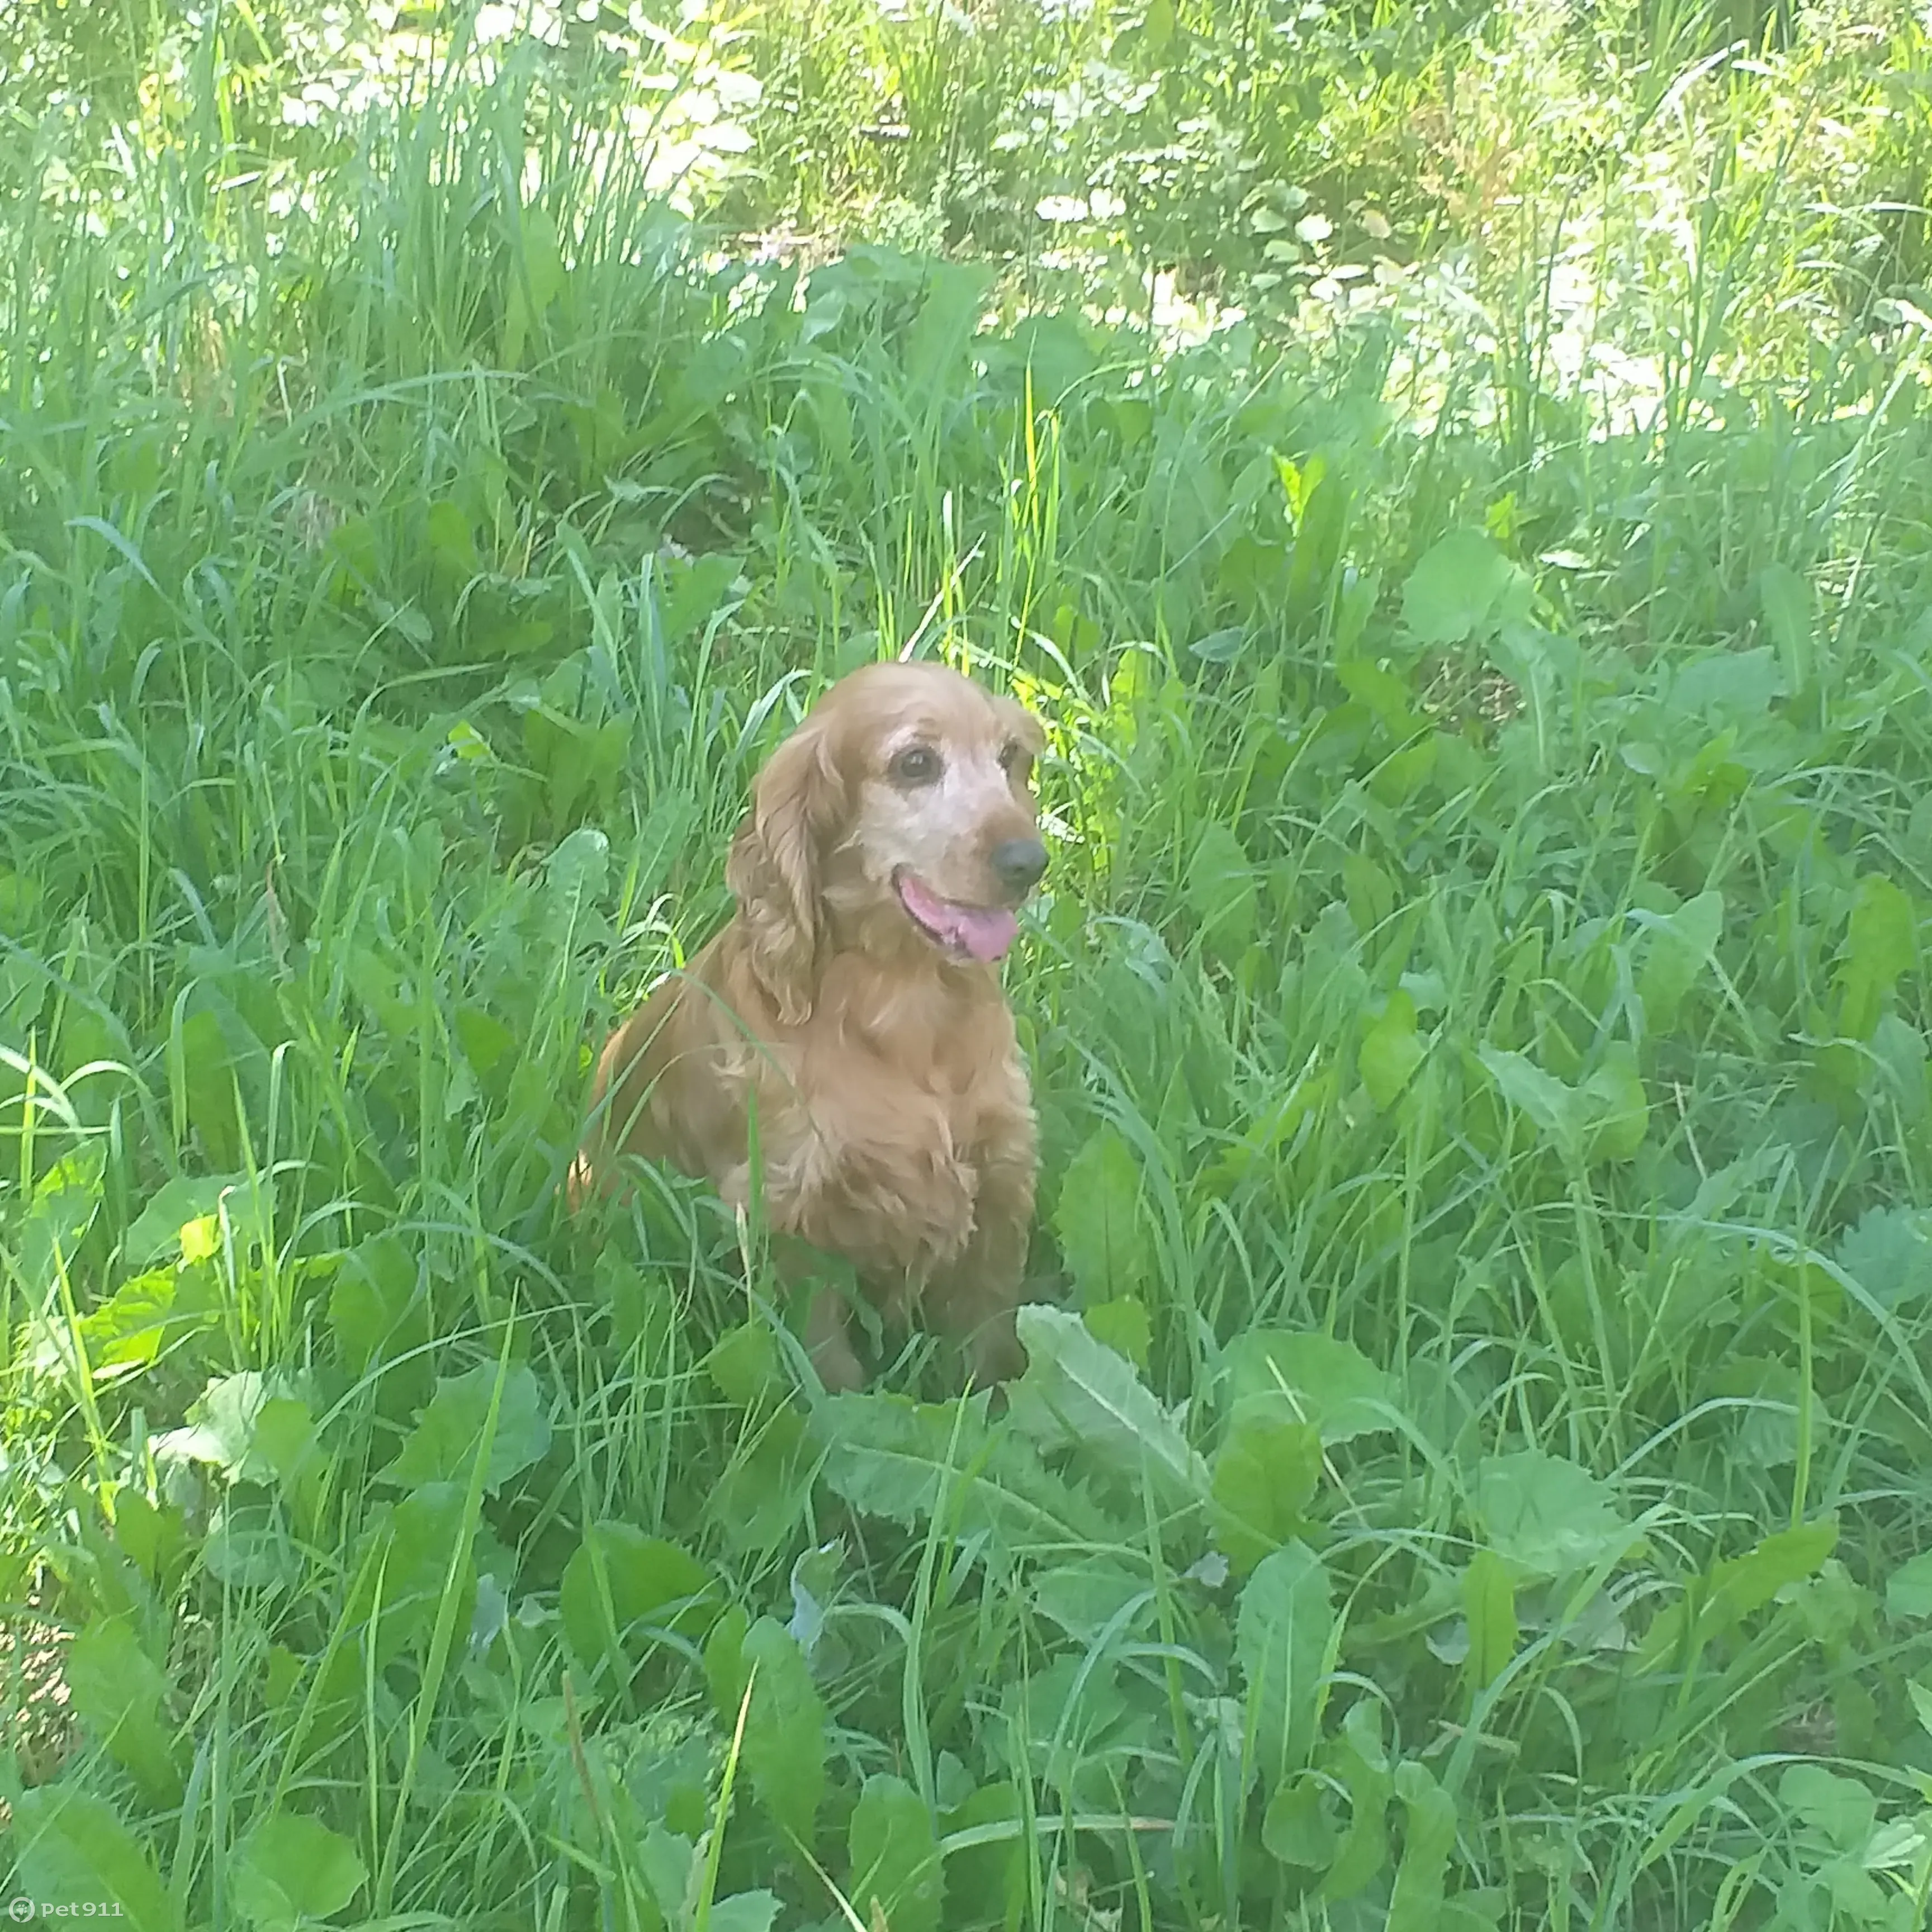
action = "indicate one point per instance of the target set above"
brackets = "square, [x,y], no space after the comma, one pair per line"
[375,1307]
[153,1535]
[1264,1478]
[785,1742]
[1064,1714]
[154,1235]
[1459,588]
[1392,1050]
[429,1545]
[1403,774]
[668,1859]
[541,278]
[247,1550]
[154,1311]
[744,1912]
[1726,689]
[619,1579]
[1429,1836]
[576,873]
[486,1042]
[1388,694]
[889,1456]
[1683,945]
[1832,1605]
[694,590]
[291,1869]
[1841,1811]
[1616,1109]
[1078,1396]
[121,1694]
[1055,351]
[897,1878]
[1220,889]
[1604,1119]
[444,1445]
[1742,1585]
[1921,1702]
[1738,1587]
[1282,1631]
[645,1310]
[986,1882]
[1319,1379]
[285,1439]
[1371,894]
[1900,1056]
[1555,1108]
[65,1200]
[201,1239]
[814,1581]
[71,1845]
[744,1364]
[1359,1759]
[284,1674]
[762,1491]
[1098,1220]
[1884,937]
[221,1425]
[1296,1827]
[1546,1515]
[941,337]
[1790,615]
[1908,1590]
[1219,647]
[1489,1605]
[1084,1597]
[1889,1255]
[1123,1326]
[23,992]
[1882,948]
[1539,663]
[202,1064]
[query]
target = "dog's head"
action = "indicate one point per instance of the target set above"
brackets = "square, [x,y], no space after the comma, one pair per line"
[902,808]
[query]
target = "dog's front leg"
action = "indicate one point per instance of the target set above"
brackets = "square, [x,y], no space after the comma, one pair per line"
[974,1297]
[828,1341]
[828,1338]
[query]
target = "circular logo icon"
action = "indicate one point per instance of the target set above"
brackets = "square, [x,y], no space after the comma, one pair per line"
[21,1909]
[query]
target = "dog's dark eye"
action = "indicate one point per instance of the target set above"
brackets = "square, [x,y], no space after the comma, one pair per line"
[1014,756]
[916,765]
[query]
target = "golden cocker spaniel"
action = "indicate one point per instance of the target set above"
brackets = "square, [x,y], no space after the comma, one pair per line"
[850,1015]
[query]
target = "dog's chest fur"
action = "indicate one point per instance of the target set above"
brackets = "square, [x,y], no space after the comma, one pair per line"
[884,1112]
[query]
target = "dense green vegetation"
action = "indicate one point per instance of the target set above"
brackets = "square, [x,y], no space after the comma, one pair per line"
[1457,482]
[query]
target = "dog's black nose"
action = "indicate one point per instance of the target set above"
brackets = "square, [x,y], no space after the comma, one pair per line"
[1018,864]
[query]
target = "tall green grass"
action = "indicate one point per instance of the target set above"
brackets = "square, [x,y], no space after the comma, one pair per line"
[1471,1467]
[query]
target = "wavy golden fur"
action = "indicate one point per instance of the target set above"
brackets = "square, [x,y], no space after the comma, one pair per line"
[854,1003]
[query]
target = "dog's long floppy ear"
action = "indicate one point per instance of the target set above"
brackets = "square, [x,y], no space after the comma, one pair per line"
[774,865]
[1022,724]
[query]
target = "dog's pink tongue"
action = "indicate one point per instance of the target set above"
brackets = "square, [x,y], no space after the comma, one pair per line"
[983,932]
[986,933]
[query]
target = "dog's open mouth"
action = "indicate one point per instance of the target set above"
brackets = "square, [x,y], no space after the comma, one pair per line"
[983,933]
